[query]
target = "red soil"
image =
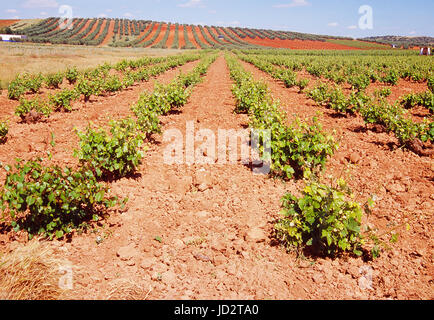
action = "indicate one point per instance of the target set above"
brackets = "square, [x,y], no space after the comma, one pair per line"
[181,36]
[110,33]
[148,26]
[7,23]
[169,42]
[74,25]
[298,44]
[92,29]
[207,250]
[161,35]
[84,27]
[209,36]
[102,28]
[154,30]
[191,37]
[216,34]
[228,32]
[200,36]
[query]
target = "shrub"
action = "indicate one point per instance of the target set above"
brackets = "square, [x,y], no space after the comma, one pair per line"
[116,154]
[147,119]
[71,75]
[128,80]
[63,99]
[16,89]
[288,77]
[300,149]
[113,84]
[176,94]
[391,78]
[410,101]
[33,83]
[24,83]
[337,101]
[302,84]
[322,219]
[35,105]
[360,82]
[319,94]
[431,83]
[4,129]
[248,94]
[54,80]
[88,87]
[49,200]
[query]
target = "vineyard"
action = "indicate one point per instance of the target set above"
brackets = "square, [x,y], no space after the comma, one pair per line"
[151,34]
[346,136]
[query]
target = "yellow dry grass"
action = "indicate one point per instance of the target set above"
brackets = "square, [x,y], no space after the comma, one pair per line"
[125,289]
[30,272]
[16,58]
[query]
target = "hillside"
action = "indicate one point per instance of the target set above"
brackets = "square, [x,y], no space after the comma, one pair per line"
[406,42]
[152,34]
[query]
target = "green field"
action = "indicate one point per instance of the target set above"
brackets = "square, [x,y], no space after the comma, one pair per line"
[359,44]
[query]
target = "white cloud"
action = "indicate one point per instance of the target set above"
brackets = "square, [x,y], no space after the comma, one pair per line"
[293,4]
[192,4]
[102,15]
[412,33]
[333,24]
[40,4]
[43,13]
[212,11]
[352,27]
[128,15]
[11,11]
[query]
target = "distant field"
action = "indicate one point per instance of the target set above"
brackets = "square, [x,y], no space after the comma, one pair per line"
[162,35]
[24,23]
[7,23]
[359,44]
[18,58]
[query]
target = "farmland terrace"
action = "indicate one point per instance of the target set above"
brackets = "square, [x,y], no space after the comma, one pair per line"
[152,34]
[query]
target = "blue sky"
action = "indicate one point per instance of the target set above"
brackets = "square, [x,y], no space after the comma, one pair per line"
[331,17]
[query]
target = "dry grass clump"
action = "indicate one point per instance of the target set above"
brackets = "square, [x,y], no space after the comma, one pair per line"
[124,289]
[30,273]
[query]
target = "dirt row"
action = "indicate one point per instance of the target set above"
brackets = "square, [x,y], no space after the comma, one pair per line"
[27,140]
[214,238]
[401,180]
[202,231]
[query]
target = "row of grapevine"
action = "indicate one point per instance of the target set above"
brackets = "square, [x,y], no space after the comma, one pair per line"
[65,36]
[202,44]
[135,42]
[131,33]
[72,23]
[257,34]
[238,33]
[246,32]
[45,26]
[101,155]
[163,43]
[325,219]
[154,37]
[207,39]
[373,109]
[97,81]
[233,39]
[215,38]
[175,44]
[188,44]
[92,36]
